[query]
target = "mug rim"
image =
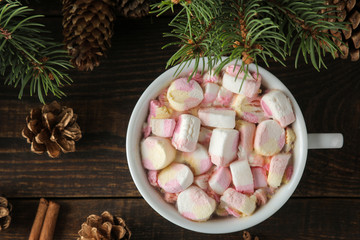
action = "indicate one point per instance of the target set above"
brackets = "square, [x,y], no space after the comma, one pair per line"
[221,225]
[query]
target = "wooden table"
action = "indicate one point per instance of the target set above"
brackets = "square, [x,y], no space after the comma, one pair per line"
[325,205]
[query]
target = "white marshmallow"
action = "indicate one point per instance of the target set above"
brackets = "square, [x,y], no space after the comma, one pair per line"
[277,168]
[186,133]
[194,204]
[248,86]
[162,127]
[175,178]
[248,109]
[210,76]
[220,180]
[241,176]
[217,117]
[183,94]
[223,146]
[198,160]
[210,93]
[223,97]
[157,152]
[238,204]
[278,106]
[269,138]
[202,181]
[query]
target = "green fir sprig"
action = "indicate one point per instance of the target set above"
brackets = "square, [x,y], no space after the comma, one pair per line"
[27,55]
[249,30]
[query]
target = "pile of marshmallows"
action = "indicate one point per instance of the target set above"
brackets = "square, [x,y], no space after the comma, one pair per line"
[214,144]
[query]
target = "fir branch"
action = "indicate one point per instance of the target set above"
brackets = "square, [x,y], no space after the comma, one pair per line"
[250,30]
[28,57]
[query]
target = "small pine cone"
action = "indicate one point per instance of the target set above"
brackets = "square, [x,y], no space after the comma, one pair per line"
[133,8]
[104,227]
[87,30]
[348,11]
[52,128]
[5,210]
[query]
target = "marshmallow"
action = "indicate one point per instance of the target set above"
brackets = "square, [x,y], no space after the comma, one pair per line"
[163,98]
[269,138]
[239,84]
[288,173]
[157,153]
[210,93]
[223,146]
[220,180]
[237,203]
[223,97]
[289,139]
[175,178]
[256,160]
[211,77]
[158,110]
[259,175]
[152,176]
[248,109]
[202,181]
[183,94]
[261,196]
[194,204]
[198,160]
[246,139]
[170,197]
[278,106]
[241,176]
[186,133]
[162,127]
[217,117]
[277,168]
[204,136]
[198,77]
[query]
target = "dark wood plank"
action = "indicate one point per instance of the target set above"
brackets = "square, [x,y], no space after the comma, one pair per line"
[315,218]
[104,99]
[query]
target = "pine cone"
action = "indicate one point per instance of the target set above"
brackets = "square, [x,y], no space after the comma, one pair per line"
[87,29]
[104,227]
[5,210]
[349,11]
[52,128]
[133,8]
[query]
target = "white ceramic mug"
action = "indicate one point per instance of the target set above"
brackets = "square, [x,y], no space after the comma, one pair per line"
[304,141]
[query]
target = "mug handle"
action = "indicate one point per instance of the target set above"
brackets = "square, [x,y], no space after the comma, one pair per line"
[325,140]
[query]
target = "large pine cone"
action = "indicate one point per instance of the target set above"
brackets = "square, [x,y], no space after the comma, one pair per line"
[87,29]
[133,8]
[52,128]
[349,11]
[5,210]
[104,227]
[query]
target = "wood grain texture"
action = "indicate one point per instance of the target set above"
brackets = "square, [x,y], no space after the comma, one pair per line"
[95,178]
[299,219]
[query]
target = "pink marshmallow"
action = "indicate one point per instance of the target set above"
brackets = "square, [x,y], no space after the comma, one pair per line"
[288,173]
[259,175]
[248,109]
[220,180]
[163,127]
[152,176]
[223,97]
[261,196]
[223,146]
[256,160]
[242,176]
[277,168]
[246,142]
[170,197]
[186,133]
[183,94]
[202,181]
[198,160]
[194,204]
[217,117]
[248,86]
[238,204]
[278,106]
[269,138]
[175,178]
[211,77]
[158,110]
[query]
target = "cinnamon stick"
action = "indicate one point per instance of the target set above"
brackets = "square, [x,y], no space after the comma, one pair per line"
[39,219]
[48,228]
